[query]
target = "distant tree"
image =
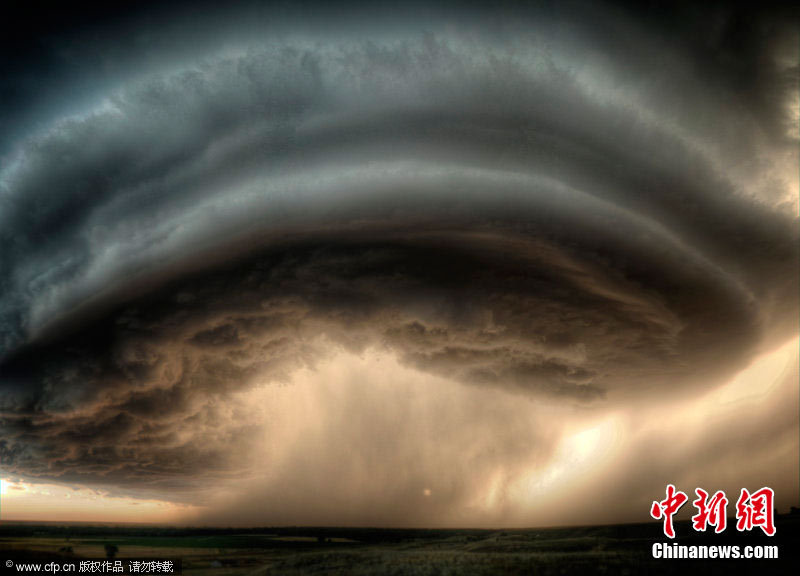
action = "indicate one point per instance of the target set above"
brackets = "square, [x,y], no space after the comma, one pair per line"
[111,551]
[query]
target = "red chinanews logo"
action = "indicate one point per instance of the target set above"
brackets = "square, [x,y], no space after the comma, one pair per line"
[753,510]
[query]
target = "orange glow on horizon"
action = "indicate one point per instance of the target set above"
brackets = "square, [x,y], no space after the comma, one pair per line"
[25,501]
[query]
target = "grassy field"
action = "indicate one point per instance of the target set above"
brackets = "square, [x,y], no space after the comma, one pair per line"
[622,549]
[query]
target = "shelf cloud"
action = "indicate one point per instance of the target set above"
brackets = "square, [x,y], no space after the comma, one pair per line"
[575,211]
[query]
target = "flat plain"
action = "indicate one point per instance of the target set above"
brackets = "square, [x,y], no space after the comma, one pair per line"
[292,551]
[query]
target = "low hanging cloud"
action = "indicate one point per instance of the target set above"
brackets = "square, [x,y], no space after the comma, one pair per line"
[535,210]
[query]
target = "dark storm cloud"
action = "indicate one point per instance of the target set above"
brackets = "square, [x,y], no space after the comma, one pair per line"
[578,206]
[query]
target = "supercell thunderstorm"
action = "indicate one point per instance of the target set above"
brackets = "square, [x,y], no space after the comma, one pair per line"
[534,208]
